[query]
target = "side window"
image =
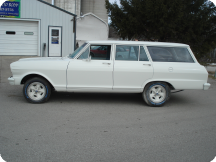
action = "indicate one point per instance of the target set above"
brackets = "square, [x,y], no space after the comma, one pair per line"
[162,54]
[170,54]
[183,55]
[143,56]
[127,53]
[100,52]
[84,55]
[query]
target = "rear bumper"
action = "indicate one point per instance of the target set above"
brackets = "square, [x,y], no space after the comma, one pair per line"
[206,86]
[11,80]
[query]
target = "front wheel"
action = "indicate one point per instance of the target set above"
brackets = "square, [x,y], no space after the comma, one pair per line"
[36,90]
[156,94]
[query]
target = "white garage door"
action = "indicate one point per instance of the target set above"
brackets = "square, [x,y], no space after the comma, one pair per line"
[18,37]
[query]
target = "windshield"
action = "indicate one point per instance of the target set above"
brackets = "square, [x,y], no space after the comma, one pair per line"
[77,51]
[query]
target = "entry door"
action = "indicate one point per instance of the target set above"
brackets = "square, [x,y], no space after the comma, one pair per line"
[55,39]
[131,69]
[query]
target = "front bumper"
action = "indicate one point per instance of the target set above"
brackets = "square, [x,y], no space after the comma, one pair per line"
[11,80]
[206,86]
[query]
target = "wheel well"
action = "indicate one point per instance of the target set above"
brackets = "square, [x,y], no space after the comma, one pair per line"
[27,77]
[170,85]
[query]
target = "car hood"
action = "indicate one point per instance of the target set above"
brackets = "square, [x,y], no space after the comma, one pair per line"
[42,59]
[27,63]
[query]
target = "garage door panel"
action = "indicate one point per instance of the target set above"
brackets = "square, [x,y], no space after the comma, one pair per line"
[21,42]
[18,52]
[18,43]
[26,39]
[19,46]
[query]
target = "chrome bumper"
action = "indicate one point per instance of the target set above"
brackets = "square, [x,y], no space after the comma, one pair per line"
[11,80]
[206,86]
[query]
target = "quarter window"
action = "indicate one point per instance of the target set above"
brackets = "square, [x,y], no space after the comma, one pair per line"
[143,56]
[85,54]
[170,54]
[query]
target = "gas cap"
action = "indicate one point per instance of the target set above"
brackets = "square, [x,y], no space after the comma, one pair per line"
[170,69]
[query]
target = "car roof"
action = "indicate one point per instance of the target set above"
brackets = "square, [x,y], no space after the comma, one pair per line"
[137,43]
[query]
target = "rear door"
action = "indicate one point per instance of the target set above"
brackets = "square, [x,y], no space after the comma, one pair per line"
[131,68]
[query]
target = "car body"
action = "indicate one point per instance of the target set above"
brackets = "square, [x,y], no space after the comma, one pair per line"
[150,68]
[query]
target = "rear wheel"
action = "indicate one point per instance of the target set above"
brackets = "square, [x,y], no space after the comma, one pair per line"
[36,90]
[156,94]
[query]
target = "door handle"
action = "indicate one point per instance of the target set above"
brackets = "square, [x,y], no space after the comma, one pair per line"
[147,64]
[106,63]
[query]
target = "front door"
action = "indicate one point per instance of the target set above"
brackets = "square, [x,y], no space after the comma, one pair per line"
[55,39]
[95,74]
[131,69]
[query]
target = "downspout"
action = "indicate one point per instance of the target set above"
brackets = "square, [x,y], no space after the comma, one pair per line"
[75,18]
[53,2]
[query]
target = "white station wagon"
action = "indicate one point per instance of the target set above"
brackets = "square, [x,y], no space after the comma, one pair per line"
[150,68]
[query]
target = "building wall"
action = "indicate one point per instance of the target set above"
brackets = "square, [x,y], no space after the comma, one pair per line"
[96,7]
[68,5]
[90,27]
[50,16]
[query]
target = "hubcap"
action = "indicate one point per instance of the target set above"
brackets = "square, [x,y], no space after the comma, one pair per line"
[157,94]
[36,91]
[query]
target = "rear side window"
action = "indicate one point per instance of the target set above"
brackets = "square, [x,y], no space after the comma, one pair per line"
[170,54]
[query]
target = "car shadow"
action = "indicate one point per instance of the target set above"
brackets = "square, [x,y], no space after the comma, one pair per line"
[114,98]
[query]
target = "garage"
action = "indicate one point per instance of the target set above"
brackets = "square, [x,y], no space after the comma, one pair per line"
[19,37]
[36,28]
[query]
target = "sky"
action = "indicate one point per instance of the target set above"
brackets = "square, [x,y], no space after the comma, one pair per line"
[118,1]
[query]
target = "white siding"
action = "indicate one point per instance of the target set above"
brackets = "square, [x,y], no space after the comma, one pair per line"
[50,16]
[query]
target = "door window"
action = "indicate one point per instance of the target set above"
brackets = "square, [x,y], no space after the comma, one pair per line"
[127,53]
[97,52]
[55,36]
[100,52]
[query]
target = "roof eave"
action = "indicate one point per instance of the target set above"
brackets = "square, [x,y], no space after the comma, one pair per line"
[57,8]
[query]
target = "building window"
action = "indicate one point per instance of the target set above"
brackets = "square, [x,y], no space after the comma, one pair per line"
[11,32]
